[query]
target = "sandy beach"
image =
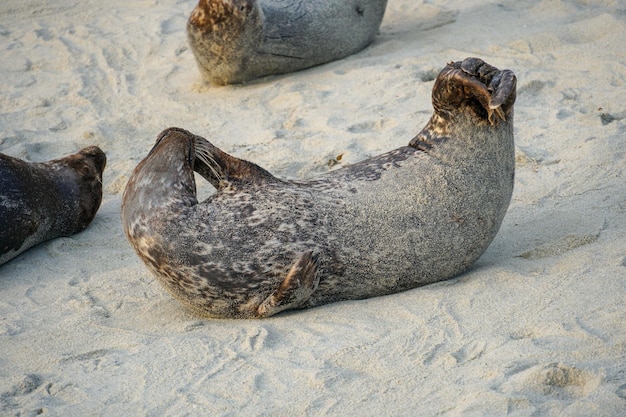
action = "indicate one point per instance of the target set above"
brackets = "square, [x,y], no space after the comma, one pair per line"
[537,327]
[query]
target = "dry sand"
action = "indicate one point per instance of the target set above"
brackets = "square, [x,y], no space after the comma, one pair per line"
[536,328]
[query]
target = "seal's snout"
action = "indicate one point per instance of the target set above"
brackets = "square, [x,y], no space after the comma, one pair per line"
[244,6]
[97,156]
[94,161]
[170,134]
[174,138]
[88,163]
[172,131]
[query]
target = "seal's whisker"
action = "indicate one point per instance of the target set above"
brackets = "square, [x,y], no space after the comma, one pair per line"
[207,159]
[210,163]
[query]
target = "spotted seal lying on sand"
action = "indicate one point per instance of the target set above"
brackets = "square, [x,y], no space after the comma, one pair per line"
[418,214]
[238,40]
[43,200]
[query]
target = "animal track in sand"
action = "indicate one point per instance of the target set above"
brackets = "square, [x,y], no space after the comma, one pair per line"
[172,25]
[366,127]
[8,141]
[63,246]
[28,384]
[94,355]
[469,352]
[428,76]
[555,379]
[532,87]
[559,246]
[607,118]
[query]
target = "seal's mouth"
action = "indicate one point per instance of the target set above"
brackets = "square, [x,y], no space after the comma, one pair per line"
[98,157]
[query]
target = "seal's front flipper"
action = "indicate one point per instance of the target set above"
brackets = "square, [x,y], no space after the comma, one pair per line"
[297,287]
[475,86]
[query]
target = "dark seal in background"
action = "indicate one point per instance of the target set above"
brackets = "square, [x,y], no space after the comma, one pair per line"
[41,201]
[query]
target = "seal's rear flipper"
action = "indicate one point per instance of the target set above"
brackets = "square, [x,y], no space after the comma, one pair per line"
[297,287]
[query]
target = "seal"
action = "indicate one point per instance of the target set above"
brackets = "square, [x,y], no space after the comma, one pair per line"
[43,200]
[259,245]
[238,40]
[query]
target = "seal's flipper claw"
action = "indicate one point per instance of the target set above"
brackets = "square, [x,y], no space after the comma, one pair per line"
[474,85]
[497,111]
[503,92]
[300,282]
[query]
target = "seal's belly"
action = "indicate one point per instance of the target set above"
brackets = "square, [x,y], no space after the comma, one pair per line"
[410,227]
[319,31]
[410,224]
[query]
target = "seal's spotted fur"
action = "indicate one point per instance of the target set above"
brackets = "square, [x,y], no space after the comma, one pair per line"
[416,215]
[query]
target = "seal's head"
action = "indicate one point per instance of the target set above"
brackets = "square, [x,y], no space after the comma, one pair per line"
[222,33]
[215,15]
[471,99]
[84,168]
[163,179]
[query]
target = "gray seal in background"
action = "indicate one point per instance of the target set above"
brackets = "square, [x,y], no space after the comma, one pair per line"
[43,200]
[416,215]
[238,40]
